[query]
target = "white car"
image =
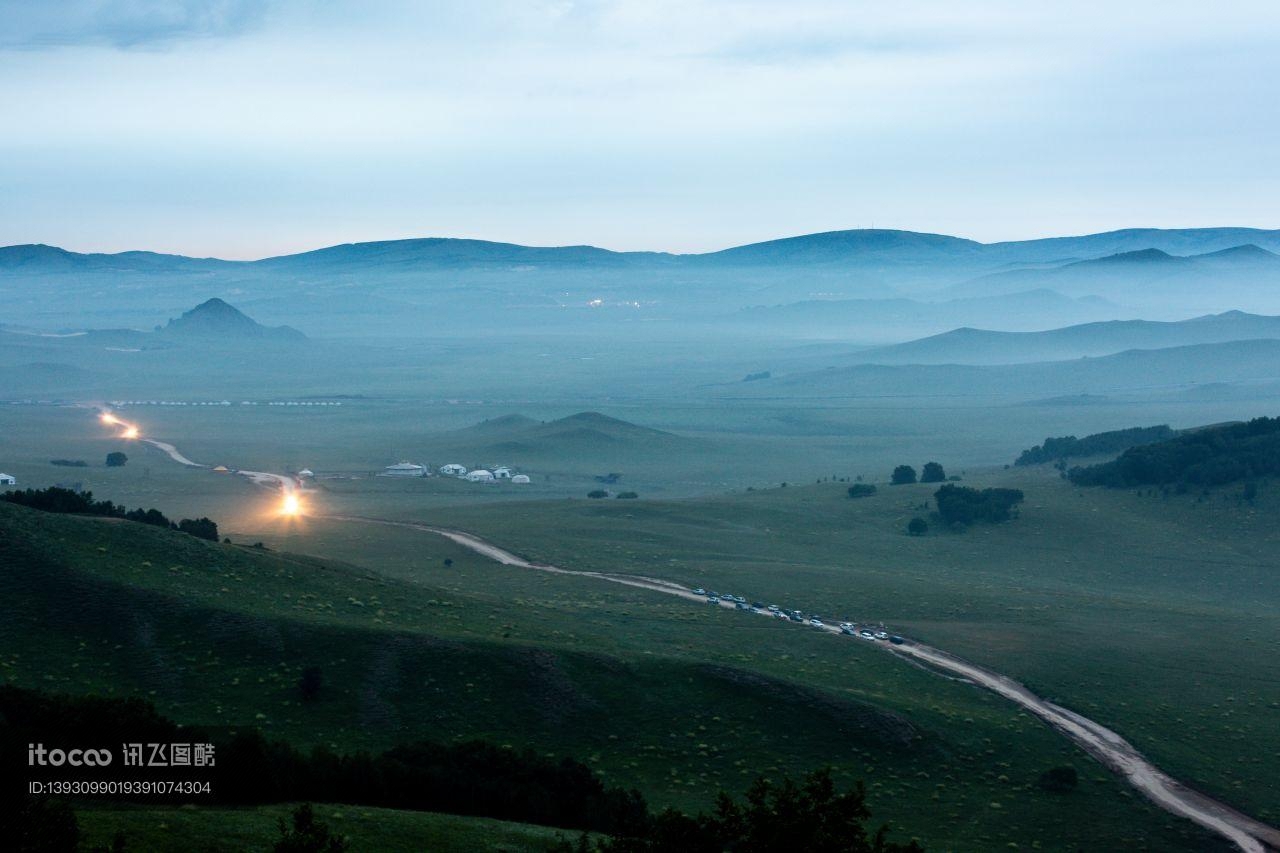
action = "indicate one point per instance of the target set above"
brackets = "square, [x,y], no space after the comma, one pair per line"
[699,591]
[882,635]
[773,608]
[867,635]
[713,600]
[817,623]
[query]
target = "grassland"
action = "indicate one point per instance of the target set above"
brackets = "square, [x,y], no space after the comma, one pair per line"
[225,830]
[1155,616]
[666,696]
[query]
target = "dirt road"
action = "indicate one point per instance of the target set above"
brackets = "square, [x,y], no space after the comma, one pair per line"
[1106,746]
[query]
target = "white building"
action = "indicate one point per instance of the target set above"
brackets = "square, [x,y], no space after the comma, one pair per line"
[502,472]
[404,469]
[520,478]
[306,472]
[480,476]
[453,469]
[8,480]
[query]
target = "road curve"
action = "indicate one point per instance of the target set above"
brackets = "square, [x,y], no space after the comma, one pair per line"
[1109,748]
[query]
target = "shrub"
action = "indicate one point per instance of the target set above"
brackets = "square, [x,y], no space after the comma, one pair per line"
[903,475]
[932,473]
[861,490]
[308,835]
[627,496]
[965,505]
[597,494]
[116,459]
[917,527]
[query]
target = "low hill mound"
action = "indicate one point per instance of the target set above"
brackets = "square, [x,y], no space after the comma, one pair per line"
[215,318]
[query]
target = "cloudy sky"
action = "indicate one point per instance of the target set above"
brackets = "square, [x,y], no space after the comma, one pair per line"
[242,128]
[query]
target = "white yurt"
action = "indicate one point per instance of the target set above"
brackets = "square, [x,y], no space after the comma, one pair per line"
[453,469]
[404,469]
[480,476]
[520,478]
[502,472]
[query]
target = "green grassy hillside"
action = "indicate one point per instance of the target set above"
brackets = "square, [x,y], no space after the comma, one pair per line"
[651,692]
[1150,614]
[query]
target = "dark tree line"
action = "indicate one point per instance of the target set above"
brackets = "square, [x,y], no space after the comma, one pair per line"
[1212,456]
[475,778]
[59,500]
[1115,441]
[966,505]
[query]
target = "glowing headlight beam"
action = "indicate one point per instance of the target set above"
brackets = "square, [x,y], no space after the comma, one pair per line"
[290,504]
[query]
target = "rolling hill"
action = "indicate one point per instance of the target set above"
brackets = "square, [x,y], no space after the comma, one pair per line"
[214,318]
[1138,372]
[1142,276]
[406,285]
[585,436]
[983,346]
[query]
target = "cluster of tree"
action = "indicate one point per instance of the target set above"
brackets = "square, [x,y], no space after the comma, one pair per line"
[1115,441]
[809,815]
[861,490]
[475,778]
[1207,457]
[116,459]
[965,505]
[57,499]
[932,472]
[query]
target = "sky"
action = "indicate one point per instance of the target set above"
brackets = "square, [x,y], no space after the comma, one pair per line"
[247,128]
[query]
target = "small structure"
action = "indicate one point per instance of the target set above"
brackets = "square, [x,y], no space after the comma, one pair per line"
[221,469]
[480,476]
[453,469]
[8,480]
[520,478]
[306,473]
[502,472]
[404,469]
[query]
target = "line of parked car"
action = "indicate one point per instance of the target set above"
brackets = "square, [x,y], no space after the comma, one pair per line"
[849,628]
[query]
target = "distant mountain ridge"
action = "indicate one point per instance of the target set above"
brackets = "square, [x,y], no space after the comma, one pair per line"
[982,346]
[821,248]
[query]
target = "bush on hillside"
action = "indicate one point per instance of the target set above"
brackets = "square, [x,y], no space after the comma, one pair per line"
[966,505]
[1097,444]
[861,490]
[932,473]
[903,475]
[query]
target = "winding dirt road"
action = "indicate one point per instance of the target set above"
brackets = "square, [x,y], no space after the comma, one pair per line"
[1106,746]
[1109,748]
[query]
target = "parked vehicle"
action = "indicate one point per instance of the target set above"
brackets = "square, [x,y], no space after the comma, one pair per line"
[712,599]
[882,635]
[867,635]
[817,623]
[699,591]
[896,640]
